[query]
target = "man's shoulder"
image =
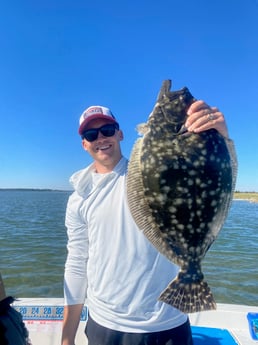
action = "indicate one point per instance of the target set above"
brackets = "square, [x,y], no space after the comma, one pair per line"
[81,179]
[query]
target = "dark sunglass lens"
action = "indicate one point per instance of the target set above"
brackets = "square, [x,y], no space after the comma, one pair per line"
[108,130]
[91,134]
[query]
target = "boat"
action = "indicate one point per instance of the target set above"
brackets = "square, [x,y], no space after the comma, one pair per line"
[229,324]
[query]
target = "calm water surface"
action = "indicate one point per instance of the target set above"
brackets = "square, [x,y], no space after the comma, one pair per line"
[33,248]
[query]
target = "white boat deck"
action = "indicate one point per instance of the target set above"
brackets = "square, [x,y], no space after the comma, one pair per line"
[43,318]
[227,316]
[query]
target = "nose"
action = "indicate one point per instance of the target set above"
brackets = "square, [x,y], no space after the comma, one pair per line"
[100,135]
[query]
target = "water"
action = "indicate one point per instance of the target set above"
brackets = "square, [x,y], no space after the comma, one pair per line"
[33,248]
[33,242]
[230,266]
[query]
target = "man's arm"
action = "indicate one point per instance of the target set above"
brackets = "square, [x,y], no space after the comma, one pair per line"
[75,275]
[71,321]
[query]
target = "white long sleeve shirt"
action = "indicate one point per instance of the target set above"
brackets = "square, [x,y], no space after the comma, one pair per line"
[110,262]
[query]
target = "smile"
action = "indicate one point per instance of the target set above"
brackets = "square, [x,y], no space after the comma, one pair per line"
[103,147]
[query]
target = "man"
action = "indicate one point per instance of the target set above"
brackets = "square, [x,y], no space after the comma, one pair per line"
[109,261]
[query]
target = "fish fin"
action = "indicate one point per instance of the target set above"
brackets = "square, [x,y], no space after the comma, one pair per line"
[140,209]
[142,128]
[190,297]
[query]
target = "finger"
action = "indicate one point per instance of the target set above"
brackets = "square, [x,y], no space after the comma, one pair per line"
[199,116]
[205,117]
[213,120]
[197,106]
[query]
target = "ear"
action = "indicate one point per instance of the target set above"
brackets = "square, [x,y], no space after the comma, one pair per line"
[120,135]
[84,144]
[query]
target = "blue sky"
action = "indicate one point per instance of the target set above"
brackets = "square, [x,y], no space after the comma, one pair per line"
[59,57]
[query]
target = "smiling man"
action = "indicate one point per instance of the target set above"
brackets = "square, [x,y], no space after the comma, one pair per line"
[110,262]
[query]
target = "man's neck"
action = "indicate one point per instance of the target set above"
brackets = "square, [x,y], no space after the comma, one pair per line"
[101,168]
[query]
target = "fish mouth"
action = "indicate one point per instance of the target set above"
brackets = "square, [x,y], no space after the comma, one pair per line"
[183,133]
[183,130]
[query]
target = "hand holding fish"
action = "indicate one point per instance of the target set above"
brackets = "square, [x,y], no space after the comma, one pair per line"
[202,117]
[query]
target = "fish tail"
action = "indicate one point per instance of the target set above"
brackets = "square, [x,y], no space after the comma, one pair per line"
[188,297]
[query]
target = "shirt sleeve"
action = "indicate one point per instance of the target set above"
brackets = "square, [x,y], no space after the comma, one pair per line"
[75,276]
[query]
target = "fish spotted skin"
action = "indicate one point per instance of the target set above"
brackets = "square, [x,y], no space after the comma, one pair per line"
[179,191]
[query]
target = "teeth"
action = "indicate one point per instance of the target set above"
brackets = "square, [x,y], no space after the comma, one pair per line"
[103,147]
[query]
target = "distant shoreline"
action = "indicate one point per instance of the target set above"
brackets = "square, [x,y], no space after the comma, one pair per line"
[248,196]
[32,190]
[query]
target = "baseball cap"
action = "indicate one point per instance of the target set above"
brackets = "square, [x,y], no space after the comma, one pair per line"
[95,112]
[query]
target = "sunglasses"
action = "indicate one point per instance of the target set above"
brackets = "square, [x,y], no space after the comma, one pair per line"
[106,130]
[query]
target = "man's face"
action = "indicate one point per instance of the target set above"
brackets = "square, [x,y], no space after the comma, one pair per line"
[105,151]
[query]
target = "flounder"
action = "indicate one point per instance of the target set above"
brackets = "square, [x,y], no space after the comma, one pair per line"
[179,190]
